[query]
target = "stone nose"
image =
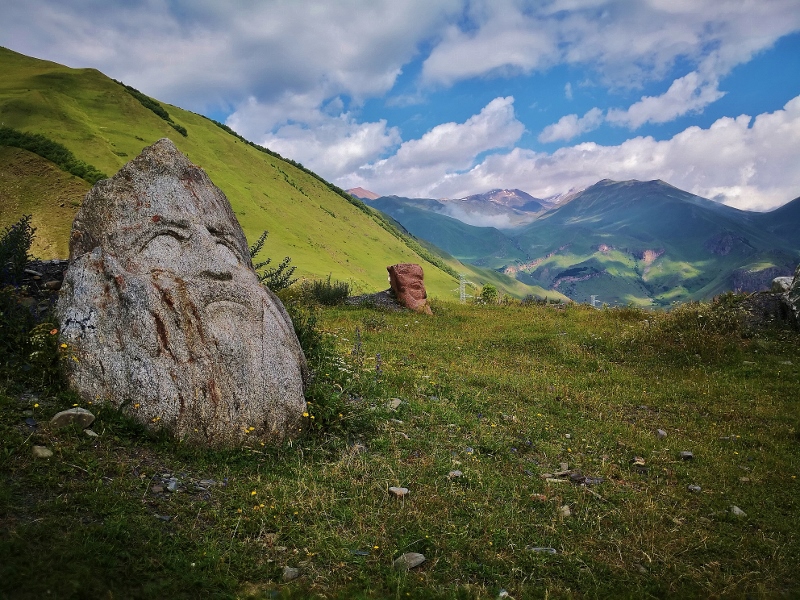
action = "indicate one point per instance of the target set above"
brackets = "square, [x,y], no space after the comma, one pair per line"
[214,259]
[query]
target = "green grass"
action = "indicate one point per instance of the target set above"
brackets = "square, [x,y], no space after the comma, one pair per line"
[504,394]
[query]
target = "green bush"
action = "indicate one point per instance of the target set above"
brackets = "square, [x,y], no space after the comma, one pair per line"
[154,106]
[276,278]
[326,292]
[15,245]
[489,294]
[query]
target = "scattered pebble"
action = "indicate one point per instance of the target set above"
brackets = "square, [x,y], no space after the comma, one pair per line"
[469,450]
[41,452]
[641,569]
[744,479]
[454,474]
[568,436]
[394,403]
[172,486]
[77,415]
[398,492]
[661,434]
[694,488]
[290,573]
[91,433]
[396,421]
[502,594]
[564,511]
[165,518]
[409,560]
[359,552]
[686,455]
[564,466]
[31,422]
[637,461]
[738,511]
[157,489]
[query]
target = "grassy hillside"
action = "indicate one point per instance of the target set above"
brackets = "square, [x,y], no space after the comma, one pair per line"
[104,125]
[526,402]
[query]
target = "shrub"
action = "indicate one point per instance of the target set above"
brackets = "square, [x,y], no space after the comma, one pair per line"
[15,245]
[489,294]
[326,292]
[276,278]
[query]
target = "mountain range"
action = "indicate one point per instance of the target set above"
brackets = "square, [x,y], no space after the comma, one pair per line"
[624,242]
[61,129]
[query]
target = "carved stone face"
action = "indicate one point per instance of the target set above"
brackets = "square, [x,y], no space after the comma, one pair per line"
[165,314]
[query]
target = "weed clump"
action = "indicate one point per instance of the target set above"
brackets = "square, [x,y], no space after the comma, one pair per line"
[326,292]
[15,245]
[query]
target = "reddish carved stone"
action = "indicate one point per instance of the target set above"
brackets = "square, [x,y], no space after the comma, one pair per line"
[407,283]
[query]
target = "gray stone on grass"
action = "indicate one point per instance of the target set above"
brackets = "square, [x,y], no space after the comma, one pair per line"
[398,492]
[736,511]
[661,434]
[686,455]
[290,573]
[78,416]
[409,560]
[694,488]
[565,511]
[164,315]
[454,474]
[41,452]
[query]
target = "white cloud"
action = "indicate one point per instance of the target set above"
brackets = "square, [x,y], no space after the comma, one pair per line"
[447,148]
[625,41]
[687,94]
[568,91]
[747,163]
[571,126]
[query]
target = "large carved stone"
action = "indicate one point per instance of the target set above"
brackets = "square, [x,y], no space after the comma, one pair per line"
[408,285]
[164,316]
[792,297]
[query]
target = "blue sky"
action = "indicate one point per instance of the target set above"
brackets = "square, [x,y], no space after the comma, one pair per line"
[446,98]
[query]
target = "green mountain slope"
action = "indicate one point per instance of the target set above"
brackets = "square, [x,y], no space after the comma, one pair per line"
[104,125]
[642,242]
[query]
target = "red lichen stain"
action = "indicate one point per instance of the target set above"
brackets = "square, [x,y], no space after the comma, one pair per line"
[120,281]
[155,218]
[214,392]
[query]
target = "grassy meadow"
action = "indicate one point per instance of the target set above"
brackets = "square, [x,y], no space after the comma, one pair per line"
[504,394]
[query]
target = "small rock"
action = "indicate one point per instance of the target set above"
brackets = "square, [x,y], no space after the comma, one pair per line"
[396,421]
[661,434]
[281,549]
[91,433]
[637,461]
[541,549]
[554,480]
[31,422]
[290,573]
[454,474]
[157,489]
[394,403]
[744,479]
[33,273]
[398,492]
[564,511]
[502,594]
[172,486]
[79,416]
[165,518]
[469,450]
[686,455]
[53,285]
[694,488]
[568,436]
[359,552]
[564,466]
[786,362]
[641,569]
[41,452]
[409,560]
[738,511]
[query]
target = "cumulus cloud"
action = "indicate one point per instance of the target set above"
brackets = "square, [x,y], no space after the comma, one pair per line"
[571,126]
[744,162]
[446,149]
[623,41]
[687,94]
